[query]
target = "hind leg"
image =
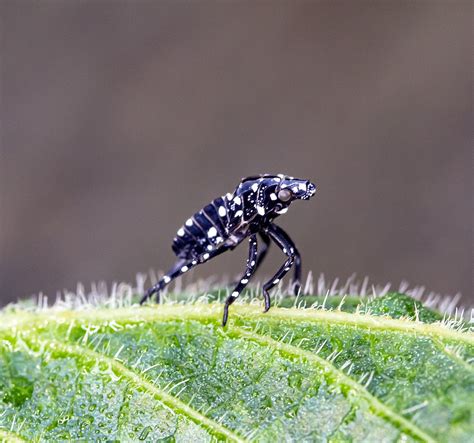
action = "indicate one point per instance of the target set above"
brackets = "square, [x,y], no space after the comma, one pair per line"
[179,268]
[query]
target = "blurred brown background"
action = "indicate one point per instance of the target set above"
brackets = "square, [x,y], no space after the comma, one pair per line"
[120,119]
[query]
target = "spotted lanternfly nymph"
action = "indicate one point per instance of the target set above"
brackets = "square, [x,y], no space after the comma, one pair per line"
[228,220]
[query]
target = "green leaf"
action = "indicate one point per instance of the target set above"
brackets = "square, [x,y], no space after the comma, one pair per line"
[387,370]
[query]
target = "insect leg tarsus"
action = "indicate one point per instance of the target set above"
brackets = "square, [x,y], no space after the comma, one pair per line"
[179,268]
[275,280]
[290,247]
[249,271]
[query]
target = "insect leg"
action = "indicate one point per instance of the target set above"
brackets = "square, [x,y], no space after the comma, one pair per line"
[297,275]
[262,252]
[251,266]
[179,268]
[287,248]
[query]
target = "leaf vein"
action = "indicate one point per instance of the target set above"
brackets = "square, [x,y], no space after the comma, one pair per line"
[169,400]
[397,420]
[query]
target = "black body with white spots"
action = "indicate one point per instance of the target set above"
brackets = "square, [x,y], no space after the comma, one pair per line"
[228,220]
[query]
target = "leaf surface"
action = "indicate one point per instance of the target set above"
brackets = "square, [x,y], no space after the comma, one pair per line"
[172,372]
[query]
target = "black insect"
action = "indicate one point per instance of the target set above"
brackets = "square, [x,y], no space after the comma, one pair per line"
[228,220]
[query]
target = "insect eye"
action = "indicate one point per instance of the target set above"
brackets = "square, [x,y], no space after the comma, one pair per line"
[284,195]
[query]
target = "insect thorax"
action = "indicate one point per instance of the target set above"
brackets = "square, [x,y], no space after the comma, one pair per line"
[227,220]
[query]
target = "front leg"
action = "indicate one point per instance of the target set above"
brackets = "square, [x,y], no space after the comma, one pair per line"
[288,249]
[179,268]
[249,271]
[297,256]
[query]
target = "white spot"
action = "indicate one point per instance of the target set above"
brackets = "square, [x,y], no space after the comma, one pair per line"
[273,196]
[184,269]
[282,211]
[281,176]
[255,187]
[261,210]
[222,212]
[194,262]
[276,281]
[218,239]
[210,247]
[205,256]
[212,232]
[244,281]
[229,196]
[252,263]
[277,179]
[237,200]
[302,187]
[189,222]
[235,294]
[181,232]
[284,250]
[239,213]
[295,188]
[166,279]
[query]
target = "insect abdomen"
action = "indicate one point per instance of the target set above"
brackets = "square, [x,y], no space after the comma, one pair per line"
[203,232]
